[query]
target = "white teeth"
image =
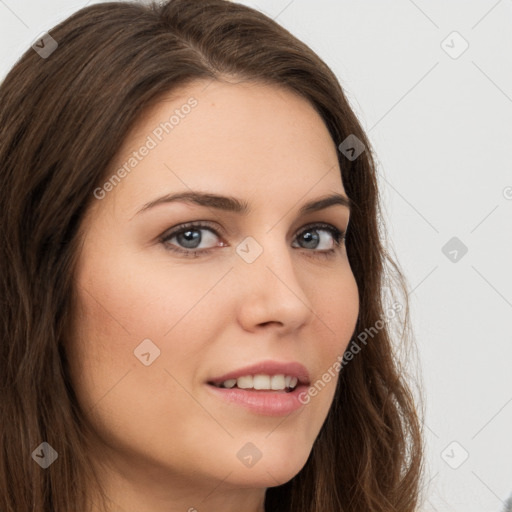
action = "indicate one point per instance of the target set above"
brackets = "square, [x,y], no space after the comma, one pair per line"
[275,382]
[261,382]
[244,382]
[229,383]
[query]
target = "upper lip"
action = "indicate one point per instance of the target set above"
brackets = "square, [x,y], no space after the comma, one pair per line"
[293,369]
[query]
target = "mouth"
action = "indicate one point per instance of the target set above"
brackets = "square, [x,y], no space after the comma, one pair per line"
[263,402]
[279,383]
[268,388]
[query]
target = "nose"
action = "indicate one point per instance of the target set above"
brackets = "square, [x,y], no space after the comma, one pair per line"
[271,290]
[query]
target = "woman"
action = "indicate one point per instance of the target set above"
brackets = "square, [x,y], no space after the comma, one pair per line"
[192,275]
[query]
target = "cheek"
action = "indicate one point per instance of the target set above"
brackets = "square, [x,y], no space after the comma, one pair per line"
[337,309]
[118,311]
[336,305]
[123,306]
[134,300]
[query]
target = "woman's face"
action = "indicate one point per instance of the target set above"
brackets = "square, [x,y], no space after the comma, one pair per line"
[156,322]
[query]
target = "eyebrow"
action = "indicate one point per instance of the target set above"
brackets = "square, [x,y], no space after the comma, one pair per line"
[232,204]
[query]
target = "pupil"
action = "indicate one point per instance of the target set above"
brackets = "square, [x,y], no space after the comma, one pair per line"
[190,236]
[310,237]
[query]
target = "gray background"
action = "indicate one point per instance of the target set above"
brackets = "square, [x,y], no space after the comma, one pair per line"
[441,126]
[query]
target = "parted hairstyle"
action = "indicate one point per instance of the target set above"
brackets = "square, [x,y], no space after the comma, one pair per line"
[63,119]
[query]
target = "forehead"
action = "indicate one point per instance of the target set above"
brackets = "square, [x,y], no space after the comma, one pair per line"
[248,139]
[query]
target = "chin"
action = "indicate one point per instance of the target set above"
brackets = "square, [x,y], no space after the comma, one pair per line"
[277,469]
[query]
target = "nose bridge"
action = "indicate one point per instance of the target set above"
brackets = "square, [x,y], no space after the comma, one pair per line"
[269,279]
[267,254]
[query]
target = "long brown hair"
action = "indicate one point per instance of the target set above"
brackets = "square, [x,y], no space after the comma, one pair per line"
[63,119]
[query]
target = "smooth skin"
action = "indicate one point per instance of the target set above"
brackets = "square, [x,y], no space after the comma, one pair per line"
[164,442]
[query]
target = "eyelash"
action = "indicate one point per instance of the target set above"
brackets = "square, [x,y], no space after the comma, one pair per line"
[339,237]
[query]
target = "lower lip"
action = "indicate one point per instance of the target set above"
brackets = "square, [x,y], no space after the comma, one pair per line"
[269,403]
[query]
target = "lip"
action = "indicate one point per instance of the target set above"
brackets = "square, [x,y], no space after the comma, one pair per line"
[267,403]
[271,368]
[264,402]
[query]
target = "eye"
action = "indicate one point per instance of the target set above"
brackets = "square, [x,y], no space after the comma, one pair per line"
[313,239]
[189,237]
[186,239]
